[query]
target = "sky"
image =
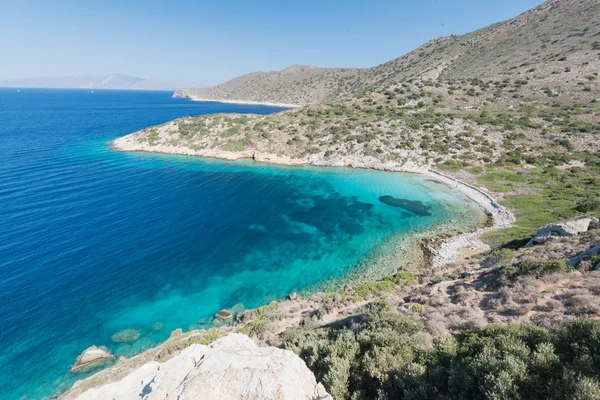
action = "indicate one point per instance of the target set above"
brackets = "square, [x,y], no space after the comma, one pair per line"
[209,42]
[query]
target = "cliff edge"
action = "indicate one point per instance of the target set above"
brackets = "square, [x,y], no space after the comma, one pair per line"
[232,367]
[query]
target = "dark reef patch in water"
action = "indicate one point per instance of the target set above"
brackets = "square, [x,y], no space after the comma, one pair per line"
[413,206]
[334,214]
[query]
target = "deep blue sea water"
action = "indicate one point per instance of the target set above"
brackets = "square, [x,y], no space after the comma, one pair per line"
[94,241]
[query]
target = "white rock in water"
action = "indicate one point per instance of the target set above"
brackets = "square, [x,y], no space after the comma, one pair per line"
[569,227]
[91,356]
[233,367]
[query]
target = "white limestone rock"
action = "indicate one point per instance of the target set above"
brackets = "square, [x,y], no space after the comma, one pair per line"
[233,367]
[569,227]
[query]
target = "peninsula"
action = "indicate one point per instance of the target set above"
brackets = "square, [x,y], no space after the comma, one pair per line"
[510,115]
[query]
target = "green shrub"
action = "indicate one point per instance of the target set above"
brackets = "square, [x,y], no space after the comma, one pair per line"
[499,258]
[588,205]
[417,308]
[535,268]
[360,292]
[379,357]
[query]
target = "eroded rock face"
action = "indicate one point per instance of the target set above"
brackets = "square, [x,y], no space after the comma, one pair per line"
[569,227]
[586,255]
[233,367]
[91,357]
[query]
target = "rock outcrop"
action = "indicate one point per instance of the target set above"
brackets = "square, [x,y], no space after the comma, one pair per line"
[224,317]
[586,255]
[91,357]
[292,296]
[569,227]
[233,367]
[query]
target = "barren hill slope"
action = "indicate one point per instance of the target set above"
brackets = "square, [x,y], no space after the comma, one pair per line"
[536,42]
[298,84]
[535,45]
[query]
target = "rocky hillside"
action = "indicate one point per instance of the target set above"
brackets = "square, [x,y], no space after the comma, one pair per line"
[296,85]
[544,46]
[537,45]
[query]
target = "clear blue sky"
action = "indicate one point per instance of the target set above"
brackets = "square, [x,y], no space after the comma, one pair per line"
[208,42]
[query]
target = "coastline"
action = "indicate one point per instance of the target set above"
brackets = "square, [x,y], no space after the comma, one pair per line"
[417,251]
[422,246]
[245,102]
[448,249]
[435,248]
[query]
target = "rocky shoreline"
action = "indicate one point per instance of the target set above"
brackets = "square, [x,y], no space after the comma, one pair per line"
[436,248]
[448,249]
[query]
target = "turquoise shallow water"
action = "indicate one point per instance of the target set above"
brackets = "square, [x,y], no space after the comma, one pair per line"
[94,241]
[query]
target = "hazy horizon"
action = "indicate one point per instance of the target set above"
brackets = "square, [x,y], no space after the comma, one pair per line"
[207,44]
[87,81]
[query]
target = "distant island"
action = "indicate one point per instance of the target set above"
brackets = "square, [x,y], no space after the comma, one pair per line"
[112,81]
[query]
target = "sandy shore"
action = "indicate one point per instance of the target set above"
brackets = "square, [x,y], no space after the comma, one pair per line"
[256,103]
[448,250]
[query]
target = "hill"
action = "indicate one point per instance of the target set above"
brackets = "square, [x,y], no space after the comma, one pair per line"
[298,85]
[538,46]
[114,81]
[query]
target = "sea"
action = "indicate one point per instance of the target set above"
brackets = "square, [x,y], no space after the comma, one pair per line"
[95,241]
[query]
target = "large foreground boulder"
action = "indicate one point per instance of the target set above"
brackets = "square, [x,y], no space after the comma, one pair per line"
[233,367]
[569,227]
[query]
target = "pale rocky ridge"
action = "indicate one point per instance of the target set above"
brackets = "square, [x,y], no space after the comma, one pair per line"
[232,367]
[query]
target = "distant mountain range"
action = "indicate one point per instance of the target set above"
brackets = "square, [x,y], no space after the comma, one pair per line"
[114,81]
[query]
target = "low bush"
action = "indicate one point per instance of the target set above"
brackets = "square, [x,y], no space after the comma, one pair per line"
[499,258]
[588,205]
[381,357]
[534,268]
[361,291]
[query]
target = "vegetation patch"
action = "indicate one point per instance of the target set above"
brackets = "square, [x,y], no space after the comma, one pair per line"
[546,194]
[382,357]
[534,268]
